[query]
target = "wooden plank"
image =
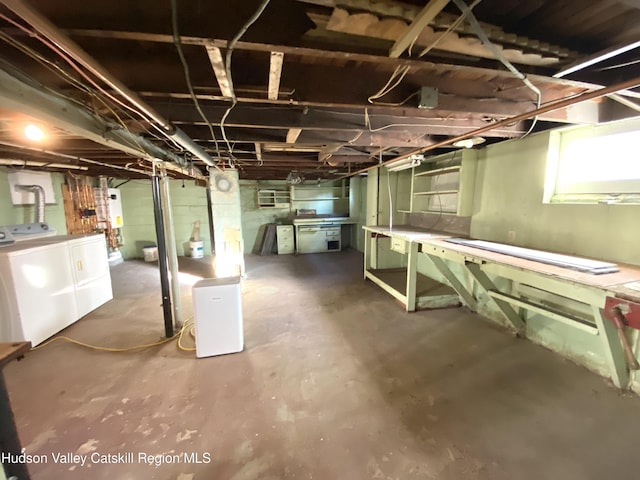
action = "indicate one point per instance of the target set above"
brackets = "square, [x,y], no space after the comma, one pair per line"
[441,69]
[12,350]
[465,295]
[293,134]
[275,71]
[426,15]
[258,147]
[547,312]
[269,239]
[217,63]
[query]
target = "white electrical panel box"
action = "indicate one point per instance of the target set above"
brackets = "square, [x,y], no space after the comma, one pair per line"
[217,312]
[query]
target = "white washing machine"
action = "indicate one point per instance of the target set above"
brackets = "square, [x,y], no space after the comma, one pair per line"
[217,312]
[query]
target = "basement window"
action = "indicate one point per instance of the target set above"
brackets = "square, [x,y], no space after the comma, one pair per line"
[594,164]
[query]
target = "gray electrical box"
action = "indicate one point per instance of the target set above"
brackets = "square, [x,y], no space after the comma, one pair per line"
[428,97]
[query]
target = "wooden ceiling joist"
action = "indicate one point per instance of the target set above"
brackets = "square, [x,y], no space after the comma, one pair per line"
[217,63]
[293,134]
[275,71]
[426,15]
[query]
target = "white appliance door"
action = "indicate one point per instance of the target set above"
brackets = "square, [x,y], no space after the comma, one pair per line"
[90,262]
[44,291]
[311,240]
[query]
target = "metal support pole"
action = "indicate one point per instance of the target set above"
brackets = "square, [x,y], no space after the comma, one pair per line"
[172,253]
[162,255]
[210,217]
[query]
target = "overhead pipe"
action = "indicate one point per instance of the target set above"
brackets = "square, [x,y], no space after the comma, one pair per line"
[68,46]
[66,156]
[550,107]
[18,93]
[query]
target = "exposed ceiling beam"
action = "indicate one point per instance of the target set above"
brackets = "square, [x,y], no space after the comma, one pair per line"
[426,15]
[258,151]
[439,69]
[275,71]
[293,134]
[447,103]
[217,63]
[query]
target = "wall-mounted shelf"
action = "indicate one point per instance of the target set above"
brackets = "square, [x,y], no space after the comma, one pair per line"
[437,192]
[433,188]
[274,199]
[438,171]
[319,193]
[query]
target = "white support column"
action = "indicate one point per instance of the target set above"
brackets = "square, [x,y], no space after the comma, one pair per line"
[227,223]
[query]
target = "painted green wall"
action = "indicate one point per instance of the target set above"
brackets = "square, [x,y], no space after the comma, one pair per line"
[508,208]
[508,197]
[189,204]
[16,214]
[358,209]
[254,218]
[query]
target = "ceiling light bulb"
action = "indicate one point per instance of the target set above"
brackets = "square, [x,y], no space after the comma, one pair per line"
[33,132]
[468,142]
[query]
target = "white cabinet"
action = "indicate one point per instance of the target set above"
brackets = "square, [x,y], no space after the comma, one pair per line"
[284,235]
[37,291]
[49,283]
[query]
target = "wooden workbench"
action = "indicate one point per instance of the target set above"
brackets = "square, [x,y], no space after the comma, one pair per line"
[483,265]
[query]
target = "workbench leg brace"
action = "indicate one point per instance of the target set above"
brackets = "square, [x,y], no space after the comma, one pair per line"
[465,295]
[487,286]
[612,348]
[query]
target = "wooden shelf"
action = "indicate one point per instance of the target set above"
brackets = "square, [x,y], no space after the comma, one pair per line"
[438,171]
[437,192]
[274,199]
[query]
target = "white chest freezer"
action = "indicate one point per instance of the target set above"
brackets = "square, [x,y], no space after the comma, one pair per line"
[217,313]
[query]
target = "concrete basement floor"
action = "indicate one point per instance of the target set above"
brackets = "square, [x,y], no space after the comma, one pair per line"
[336,382]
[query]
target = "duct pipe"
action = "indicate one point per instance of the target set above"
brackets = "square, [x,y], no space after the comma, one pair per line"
[162,255]
[172,254]
[73,50]
[38,192]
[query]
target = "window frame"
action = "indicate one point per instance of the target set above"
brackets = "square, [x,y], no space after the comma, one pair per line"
[558,140]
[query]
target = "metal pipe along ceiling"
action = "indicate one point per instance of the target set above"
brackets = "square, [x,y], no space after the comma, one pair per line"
[51,32]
